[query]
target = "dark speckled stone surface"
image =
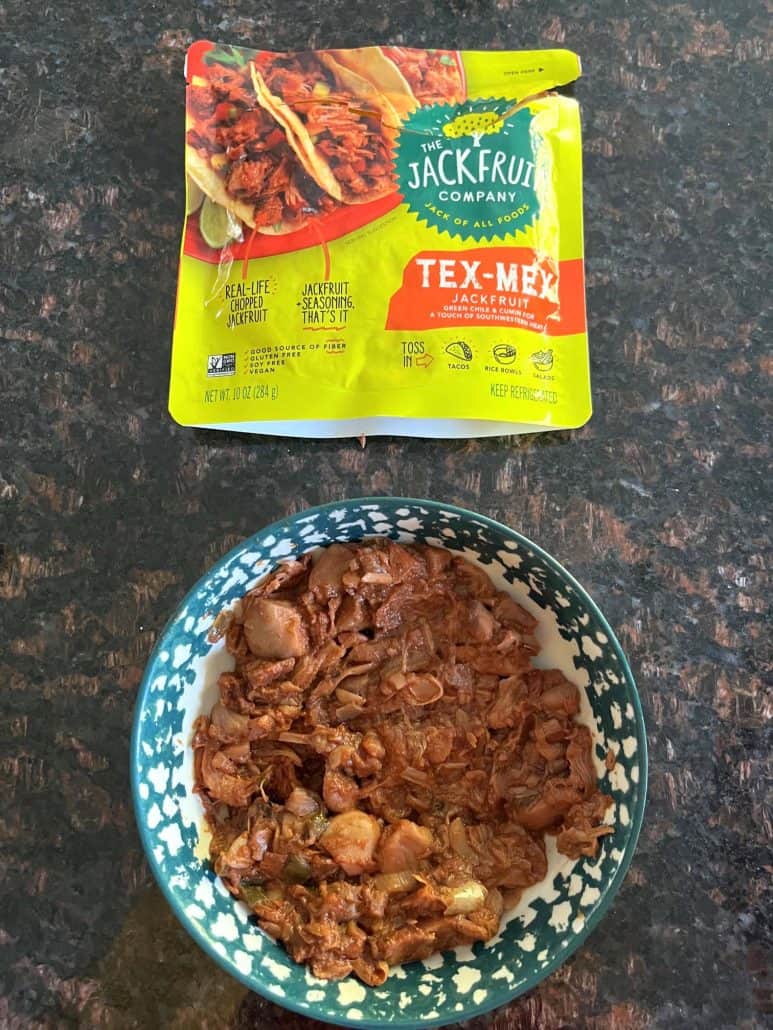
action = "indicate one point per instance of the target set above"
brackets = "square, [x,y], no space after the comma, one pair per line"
[109,511]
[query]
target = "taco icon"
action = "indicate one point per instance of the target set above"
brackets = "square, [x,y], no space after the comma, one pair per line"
[459,349]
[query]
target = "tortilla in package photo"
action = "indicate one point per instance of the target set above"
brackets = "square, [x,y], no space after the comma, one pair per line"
[381,240]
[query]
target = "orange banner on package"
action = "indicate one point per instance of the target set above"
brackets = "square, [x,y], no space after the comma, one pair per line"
[490,286]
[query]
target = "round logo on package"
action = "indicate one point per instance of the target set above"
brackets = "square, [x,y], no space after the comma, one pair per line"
[470,169]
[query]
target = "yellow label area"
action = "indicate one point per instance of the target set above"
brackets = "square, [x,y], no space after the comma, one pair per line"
[518,73]
[399,318]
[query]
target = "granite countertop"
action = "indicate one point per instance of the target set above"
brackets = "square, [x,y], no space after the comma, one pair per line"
[109,511]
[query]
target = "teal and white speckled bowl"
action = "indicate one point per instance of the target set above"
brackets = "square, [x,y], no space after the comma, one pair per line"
[551,920]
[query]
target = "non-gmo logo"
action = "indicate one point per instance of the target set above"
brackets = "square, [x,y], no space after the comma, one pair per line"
[221,365]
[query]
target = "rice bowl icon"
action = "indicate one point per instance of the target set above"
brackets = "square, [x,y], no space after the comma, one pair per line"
[504,353]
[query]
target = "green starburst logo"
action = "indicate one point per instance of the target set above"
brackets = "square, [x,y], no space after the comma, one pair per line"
[469,169]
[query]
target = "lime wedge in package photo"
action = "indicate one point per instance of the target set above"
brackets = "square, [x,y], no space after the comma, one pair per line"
[381,240]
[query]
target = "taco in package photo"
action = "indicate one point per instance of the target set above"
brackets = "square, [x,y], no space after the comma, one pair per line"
[381,240]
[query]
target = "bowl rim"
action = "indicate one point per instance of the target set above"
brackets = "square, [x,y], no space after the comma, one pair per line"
[503,995]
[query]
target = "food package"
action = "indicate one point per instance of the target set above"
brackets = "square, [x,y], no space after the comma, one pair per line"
[381,240]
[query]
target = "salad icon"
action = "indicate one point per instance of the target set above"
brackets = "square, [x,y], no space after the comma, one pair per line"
[542,360]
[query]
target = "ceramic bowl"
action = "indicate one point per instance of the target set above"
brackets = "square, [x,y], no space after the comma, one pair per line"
[551,920]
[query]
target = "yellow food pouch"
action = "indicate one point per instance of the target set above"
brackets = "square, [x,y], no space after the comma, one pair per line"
[381,240]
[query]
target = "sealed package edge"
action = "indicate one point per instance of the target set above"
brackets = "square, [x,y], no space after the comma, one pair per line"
[381,240]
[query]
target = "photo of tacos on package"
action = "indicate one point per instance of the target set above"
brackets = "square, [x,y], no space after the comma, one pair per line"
[408,77]
[381,240]
[346,127]
[243,158]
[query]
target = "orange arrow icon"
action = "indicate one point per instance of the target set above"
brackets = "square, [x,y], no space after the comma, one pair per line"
[424,360]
